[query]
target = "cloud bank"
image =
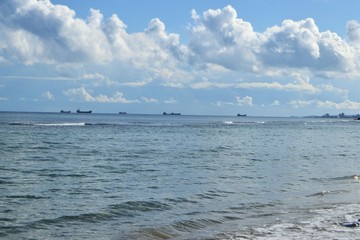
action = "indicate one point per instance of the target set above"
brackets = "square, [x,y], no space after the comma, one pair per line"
[222,51]
[40,32]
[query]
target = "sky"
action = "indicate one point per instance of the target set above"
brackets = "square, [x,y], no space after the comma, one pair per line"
[214,57]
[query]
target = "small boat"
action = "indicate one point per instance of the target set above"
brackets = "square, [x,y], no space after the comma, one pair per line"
[122,112]
[172,113]
[62,111]
[241,115]
[79,111]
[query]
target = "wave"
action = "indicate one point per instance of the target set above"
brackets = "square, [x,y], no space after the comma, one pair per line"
[116,211]
[184,228]
[353,177]
[324,193]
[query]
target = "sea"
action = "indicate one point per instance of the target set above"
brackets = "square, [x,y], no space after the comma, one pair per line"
[133,176]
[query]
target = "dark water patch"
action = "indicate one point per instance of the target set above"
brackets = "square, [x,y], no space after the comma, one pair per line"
[30,197]
[2,219]
[54,190]
[180,200]
[141,206]
[253,207]
[5,182]
[53,170]
[59,175]
[195,213]
[207,195]
[146,170]
[19,124]
[231,218]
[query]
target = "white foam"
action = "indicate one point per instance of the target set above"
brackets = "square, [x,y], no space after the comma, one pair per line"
[325,224]
[60,124]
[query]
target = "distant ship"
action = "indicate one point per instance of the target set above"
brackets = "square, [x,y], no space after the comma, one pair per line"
[241,115]
[79,111]
[122,112]
[62,111]
[172,113]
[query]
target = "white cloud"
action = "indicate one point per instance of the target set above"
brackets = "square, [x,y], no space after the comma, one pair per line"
[219,37]
[149,100]
[347,104]
[98,79]
[296,86]
[220,45]
[135,84]
[40,32]
[222,103]
[170,101]
[353,34]
[173,85]
[82,94]
[275,103]
[244,101]
[48,95]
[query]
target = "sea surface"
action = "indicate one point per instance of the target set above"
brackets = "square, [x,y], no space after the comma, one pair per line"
[127,176]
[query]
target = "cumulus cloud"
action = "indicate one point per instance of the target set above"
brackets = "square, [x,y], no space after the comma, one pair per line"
[220,42]
[220,37]
[244,101]
[81,94]
[38,31]
[34,32]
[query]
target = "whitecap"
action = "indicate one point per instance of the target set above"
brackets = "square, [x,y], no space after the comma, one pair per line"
[60,124]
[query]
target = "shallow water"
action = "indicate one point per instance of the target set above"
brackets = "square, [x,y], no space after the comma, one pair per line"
[103,176]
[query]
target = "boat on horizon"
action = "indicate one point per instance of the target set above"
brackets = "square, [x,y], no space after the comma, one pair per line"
[79,111]
[62,111]
[122,112]
[241,115]
[172,113]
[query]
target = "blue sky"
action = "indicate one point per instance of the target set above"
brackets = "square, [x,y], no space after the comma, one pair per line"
[263,58]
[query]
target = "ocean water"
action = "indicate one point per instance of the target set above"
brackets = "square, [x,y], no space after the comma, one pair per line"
[111,176]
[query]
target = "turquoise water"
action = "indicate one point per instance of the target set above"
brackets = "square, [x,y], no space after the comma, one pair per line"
[103,176]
